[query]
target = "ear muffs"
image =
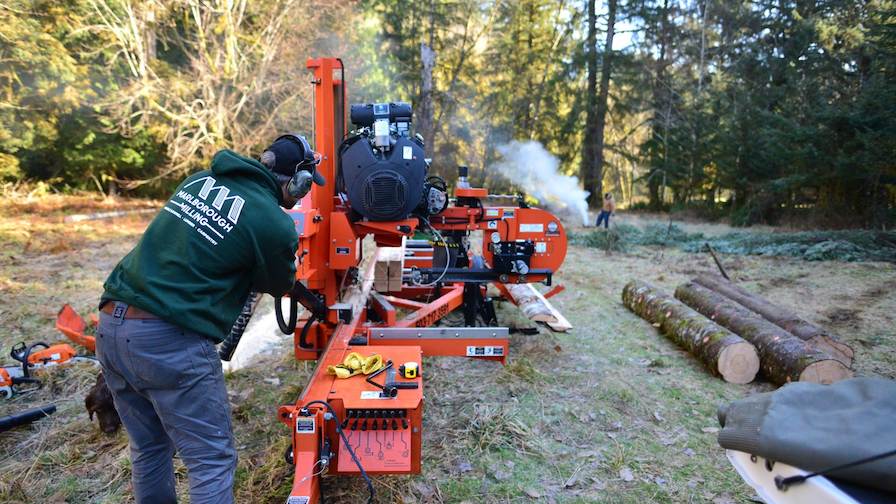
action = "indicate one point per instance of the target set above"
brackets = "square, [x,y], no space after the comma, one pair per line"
[300,184]
[305,174]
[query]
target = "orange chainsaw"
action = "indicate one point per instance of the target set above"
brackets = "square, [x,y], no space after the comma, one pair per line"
[32,358]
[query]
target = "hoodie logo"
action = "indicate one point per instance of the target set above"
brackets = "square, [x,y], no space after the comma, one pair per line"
[208,185]
[206,218]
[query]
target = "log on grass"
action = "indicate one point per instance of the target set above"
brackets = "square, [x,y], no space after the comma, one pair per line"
[723,352]
[536,307]
[781,317]
[783,357]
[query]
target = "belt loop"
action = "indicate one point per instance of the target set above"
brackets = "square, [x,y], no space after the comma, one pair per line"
[119,312]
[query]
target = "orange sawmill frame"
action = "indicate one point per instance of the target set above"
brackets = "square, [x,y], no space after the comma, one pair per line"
[331,414]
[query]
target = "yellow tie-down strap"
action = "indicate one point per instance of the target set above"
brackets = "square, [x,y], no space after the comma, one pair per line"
[355,363]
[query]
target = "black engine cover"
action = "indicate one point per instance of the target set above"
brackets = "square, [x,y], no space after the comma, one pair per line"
[383,186]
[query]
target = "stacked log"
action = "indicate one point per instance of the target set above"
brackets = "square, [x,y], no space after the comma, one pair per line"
[724,353]
[817,337]
[783,357]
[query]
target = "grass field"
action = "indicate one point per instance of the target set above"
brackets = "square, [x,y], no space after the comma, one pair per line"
[610,412]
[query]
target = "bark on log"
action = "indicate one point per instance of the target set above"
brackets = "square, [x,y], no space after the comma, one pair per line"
[783,357]
[781,317]
[536,308]
[723,352]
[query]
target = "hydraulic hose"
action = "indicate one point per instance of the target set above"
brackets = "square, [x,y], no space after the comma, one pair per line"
[303,337]
[228,346]
[287,328]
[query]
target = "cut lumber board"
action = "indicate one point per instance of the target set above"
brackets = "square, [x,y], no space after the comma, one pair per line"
[782,317]
[536,308]
[783,357]
[724,353]
[389,268]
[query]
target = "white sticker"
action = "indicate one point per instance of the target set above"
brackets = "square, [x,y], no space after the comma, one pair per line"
[541,247]
[493,224]
[304,426]
[491,212]
[485,351]
[531,228]
[407,152]
[372,394]
[298,499]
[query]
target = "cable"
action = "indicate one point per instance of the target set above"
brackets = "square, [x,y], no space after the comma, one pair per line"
[447,252]
[783,483]
[348,446]
[303,337]
[286,328]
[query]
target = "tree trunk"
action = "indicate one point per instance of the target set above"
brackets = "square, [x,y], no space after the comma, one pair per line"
[723,352]
[425,112]
[602,98]
[589,155]
[784,358]
[661,104]
[781,317]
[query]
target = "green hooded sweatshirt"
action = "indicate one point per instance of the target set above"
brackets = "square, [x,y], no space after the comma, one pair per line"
[221,235]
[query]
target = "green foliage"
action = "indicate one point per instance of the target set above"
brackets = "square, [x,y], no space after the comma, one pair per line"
[735,108]
[774,110]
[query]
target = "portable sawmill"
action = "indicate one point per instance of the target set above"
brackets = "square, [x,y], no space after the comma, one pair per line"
[379,185]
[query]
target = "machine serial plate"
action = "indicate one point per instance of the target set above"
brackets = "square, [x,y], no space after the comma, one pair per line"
[305,426]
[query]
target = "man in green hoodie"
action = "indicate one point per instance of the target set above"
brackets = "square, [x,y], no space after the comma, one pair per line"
[220,236]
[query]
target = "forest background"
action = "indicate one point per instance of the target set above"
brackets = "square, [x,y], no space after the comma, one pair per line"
[763,111]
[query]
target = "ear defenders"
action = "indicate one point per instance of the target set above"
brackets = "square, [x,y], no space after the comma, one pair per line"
[305,171]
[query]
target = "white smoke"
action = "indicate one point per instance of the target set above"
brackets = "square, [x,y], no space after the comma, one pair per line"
[536,171]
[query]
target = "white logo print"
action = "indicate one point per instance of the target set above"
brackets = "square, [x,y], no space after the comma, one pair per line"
[194,210]
[208,185]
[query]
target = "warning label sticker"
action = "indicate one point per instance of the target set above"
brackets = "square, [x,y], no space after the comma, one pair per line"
[372,394]
[531,228]
[485,351]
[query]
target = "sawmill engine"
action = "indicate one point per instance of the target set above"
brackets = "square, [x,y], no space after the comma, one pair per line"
[383,168]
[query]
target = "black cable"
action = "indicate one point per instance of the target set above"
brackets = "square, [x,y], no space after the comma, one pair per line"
[783,483]
[286,328]
[303,337]
[348,446]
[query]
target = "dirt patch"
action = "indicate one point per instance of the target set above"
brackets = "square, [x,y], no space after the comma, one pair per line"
[842,316]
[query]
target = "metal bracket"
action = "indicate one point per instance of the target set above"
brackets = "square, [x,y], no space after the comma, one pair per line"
[422,333]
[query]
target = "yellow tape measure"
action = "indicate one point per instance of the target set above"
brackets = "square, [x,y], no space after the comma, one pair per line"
[408,369]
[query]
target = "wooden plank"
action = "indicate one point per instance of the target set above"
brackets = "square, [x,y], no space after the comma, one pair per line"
[389,268]
[536,307]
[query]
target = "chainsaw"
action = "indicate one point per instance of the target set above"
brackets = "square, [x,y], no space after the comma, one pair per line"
[35,357]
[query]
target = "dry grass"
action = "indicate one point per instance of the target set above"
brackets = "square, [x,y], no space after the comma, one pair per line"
[611,412]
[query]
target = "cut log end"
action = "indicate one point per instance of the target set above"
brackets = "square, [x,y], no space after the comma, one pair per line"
[738,363]
[825,372]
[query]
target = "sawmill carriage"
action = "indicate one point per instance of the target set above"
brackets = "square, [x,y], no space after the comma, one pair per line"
[369,319]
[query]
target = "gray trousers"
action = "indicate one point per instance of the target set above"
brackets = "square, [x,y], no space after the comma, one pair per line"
[169,390]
